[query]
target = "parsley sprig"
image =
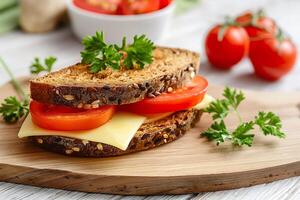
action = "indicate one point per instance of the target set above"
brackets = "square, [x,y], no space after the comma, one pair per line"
[139,53]
[12,109]
[100,55]
[268,122]
[37,67]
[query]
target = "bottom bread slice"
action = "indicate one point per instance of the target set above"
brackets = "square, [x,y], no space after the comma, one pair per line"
[148,136]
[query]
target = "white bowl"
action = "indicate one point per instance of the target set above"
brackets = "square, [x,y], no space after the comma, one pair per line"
[115,27]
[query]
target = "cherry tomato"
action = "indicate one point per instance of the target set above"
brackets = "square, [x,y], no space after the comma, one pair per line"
[272,58]
[99,6]
[180,99]
[228,50]
[63,118]
[164,3]
[255,28]
[129,7]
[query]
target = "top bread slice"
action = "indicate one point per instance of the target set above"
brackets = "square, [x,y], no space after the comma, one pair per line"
[75,86]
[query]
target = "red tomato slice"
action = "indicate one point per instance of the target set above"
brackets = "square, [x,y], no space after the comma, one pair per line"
[180,99]
[129,7]
[63,118]
[164,3]
[98,6]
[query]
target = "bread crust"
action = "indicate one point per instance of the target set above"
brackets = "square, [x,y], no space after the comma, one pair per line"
[148,136]
[174,75]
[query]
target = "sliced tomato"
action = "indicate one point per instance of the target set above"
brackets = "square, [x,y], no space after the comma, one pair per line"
[129,7]
[164,3]
[180,99]
[63,118]
[99,6]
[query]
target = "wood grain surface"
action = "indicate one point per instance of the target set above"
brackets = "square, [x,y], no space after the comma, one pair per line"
[188,165]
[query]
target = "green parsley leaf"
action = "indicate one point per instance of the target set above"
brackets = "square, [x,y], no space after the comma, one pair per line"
[218,108]
[37,67]
[139,53]
[240,136]
[98,54]
[110,57]
[101,56]
[270,124]
[12,109]
[217,132]
[94,43]
[233,97]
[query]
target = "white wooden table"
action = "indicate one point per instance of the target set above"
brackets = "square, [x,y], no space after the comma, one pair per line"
[187,31]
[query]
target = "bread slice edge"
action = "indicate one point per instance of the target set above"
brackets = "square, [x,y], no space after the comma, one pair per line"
[95,96]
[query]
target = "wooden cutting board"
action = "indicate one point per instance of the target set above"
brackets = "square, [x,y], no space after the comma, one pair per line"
[188,165]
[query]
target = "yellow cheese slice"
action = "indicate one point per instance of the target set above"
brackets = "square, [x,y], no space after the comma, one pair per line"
[155,117]
[117,132]
[205,102]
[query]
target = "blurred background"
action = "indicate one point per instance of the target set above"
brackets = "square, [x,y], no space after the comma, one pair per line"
[33,28]
[42,28]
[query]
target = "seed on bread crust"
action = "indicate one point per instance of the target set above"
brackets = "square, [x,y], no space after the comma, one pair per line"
[191,69]
[69,151]
[39,140]
[135,85]
[85,142]
[80,105]
[157,93]
[151,95]
[170,89]
[96,102]
[99,146]
[193,74]
[173,79]
[77,149]
[68,97]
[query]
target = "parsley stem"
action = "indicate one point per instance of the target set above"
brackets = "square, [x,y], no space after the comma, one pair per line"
[238,115]
[14,82]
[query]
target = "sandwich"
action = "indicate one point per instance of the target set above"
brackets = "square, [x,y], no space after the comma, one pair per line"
[77,112]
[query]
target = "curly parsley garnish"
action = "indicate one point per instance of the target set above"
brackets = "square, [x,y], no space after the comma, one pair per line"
[268,122]
[37,67]
[101,56]
[12,109]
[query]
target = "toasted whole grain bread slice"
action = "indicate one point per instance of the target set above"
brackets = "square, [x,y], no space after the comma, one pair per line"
[148,136]
[75,86]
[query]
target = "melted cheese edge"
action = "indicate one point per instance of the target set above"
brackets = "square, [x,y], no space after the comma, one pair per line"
[117,132]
